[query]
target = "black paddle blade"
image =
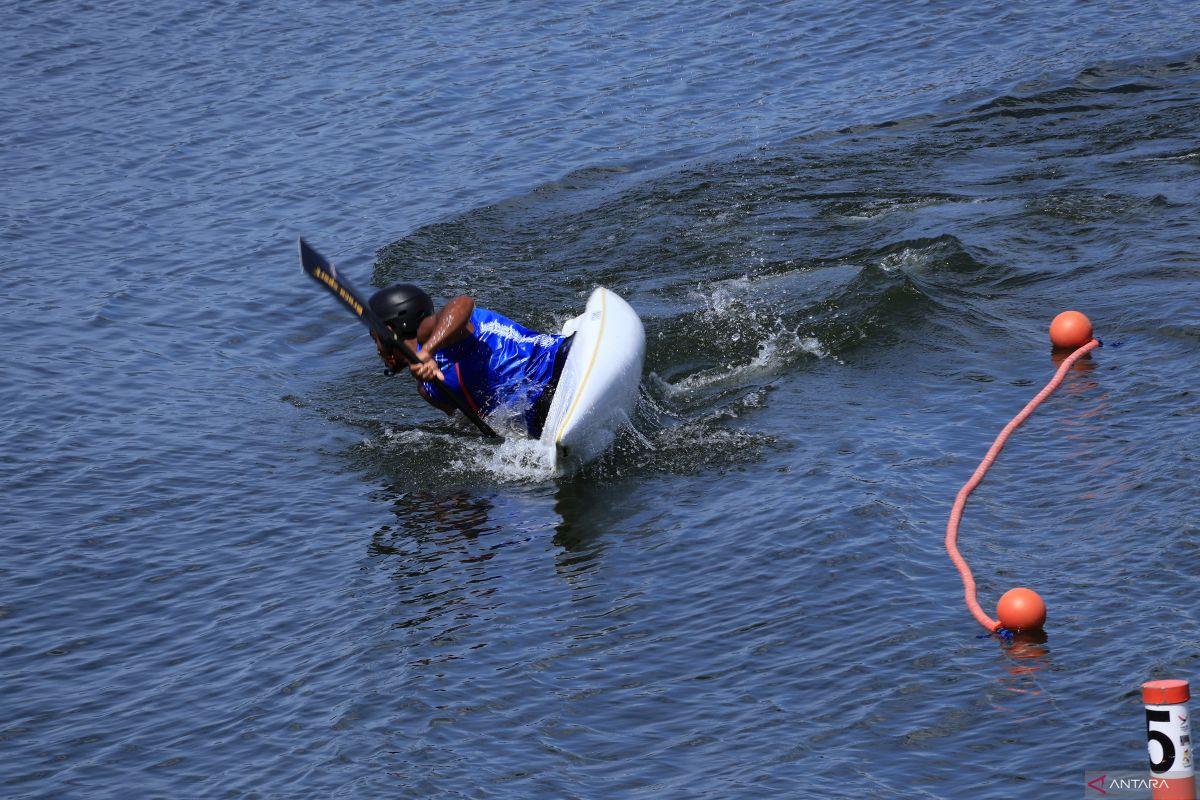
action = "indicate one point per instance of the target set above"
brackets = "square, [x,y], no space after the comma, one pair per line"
[323,272]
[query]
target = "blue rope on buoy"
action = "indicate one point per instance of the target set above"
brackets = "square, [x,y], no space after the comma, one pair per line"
[1003,633]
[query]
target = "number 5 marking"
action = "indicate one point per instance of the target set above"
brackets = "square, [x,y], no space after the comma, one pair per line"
[1164,741]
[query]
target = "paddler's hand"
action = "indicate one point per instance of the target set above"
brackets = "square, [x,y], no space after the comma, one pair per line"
[390,359]
[426,369]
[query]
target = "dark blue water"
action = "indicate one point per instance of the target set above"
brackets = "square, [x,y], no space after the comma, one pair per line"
[237,561]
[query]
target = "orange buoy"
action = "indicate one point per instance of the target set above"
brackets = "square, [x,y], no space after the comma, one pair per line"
[1070,330]
[1021,610]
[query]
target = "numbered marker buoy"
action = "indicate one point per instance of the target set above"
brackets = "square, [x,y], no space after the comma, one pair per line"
[1169,739]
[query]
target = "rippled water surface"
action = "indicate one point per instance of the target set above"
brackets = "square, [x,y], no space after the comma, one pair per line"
[238,561]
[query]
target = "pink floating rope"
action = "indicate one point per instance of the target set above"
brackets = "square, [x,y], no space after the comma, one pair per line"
[961,500]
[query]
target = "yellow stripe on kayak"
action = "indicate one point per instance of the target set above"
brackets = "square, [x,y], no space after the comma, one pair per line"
[591,363]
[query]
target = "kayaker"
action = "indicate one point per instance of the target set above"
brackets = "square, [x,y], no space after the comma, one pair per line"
[488,359]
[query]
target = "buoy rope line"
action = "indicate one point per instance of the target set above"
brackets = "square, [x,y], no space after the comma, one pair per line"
[994,626]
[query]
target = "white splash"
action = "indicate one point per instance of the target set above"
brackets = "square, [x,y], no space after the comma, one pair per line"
[909,259]
[515,460]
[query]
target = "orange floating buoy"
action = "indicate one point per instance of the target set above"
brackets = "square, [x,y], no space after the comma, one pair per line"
[1021,610]
[1070,330]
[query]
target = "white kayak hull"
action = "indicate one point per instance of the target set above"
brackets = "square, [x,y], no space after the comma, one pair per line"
[599,383]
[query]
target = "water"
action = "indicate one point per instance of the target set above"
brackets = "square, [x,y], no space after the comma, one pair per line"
[240,562]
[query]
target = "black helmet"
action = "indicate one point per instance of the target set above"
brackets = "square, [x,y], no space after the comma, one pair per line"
[402,306]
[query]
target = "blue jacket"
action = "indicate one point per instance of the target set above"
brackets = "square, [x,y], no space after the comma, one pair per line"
[501,364]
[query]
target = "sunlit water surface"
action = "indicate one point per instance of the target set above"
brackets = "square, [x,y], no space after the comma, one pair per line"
[238,561]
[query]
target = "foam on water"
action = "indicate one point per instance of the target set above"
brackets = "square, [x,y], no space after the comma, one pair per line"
[515,460]
[451,457]
[780,349]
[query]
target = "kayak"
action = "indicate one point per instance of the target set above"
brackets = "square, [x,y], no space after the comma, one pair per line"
[598,386]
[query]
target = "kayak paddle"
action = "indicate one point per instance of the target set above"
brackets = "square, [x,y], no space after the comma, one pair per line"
[326,274]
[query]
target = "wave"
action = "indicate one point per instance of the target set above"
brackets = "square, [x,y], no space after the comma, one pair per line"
[806,255]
